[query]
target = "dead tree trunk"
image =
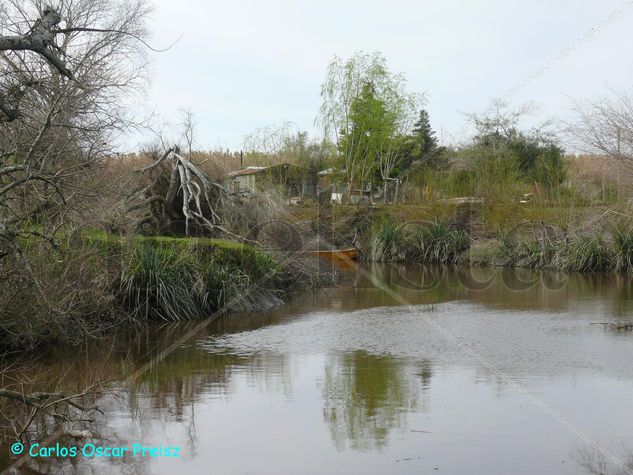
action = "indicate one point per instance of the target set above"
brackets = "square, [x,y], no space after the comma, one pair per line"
[189,196]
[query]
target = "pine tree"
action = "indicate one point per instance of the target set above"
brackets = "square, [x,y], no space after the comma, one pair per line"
[424,136]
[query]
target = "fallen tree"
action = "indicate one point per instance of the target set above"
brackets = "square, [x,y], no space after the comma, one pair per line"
[181,198]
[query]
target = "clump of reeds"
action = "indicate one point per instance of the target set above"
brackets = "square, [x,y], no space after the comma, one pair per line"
[432,242]
[531,253]
[384,241]
[182,279]
[436,242]
[585,253]
[161,283]
[623,249]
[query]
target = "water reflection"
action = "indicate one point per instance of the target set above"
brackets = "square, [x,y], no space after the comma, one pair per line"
[518,289]
[345,372]
[365,396]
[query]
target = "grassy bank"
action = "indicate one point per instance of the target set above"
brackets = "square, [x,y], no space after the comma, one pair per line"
[607,250]
[95,282]
[602,247]
[388,240]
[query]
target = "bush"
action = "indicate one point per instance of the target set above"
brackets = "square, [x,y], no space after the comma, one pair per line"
[623,249]
[586,254]
[385,242]
[437,242]
[46,295]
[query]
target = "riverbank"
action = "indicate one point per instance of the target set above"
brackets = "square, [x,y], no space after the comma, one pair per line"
[92,282]
[538,236]
[96,282]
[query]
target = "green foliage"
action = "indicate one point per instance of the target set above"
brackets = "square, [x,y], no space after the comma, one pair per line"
[370,127]
[367,111]
[623,248]
[433,242]
[538,158]
[496,176]
[385,241]
[422,147]
[424,135]
[437,242]
[586,254]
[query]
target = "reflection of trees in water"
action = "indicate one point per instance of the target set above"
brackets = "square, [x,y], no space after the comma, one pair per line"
[167,392]
[521,289]
[181,379]
[366,396]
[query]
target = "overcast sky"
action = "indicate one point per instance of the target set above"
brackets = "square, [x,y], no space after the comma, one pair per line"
[244,64]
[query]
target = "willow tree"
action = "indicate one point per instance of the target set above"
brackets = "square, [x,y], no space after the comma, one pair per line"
[367,111]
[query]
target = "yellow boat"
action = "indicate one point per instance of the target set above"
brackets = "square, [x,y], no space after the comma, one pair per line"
[349,254]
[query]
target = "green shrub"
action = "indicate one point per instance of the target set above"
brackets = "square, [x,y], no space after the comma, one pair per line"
[384,242]
[623,249]
[586,254]
[437,242]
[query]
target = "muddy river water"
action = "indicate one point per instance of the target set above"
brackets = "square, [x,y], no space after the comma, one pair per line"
[395,369]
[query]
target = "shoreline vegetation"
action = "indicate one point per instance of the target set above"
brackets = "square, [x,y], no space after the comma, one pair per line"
[534,245]
[96,282]
[133,280]
[97,241]
[92,239]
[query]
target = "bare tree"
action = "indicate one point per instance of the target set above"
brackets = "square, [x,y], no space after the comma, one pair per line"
[66,69]
[605,126]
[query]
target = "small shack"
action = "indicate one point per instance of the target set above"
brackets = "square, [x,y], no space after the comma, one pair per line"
[330,188]
[292,180]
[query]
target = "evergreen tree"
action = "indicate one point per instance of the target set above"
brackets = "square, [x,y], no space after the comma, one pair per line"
[423,148]
[424,136]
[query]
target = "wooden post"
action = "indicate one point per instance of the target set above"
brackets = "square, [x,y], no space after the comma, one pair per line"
[618,163]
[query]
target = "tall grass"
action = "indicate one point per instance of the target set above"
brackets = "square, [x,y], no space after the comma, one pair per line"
[623,248]
[578,252]
[182,279]
[386,241]
[437,242]
[161,283]
[585,253]
[525,253]
[433,242]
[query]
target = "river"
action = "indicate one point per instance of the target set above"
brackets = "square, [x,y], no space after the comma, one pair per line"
[395,369]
